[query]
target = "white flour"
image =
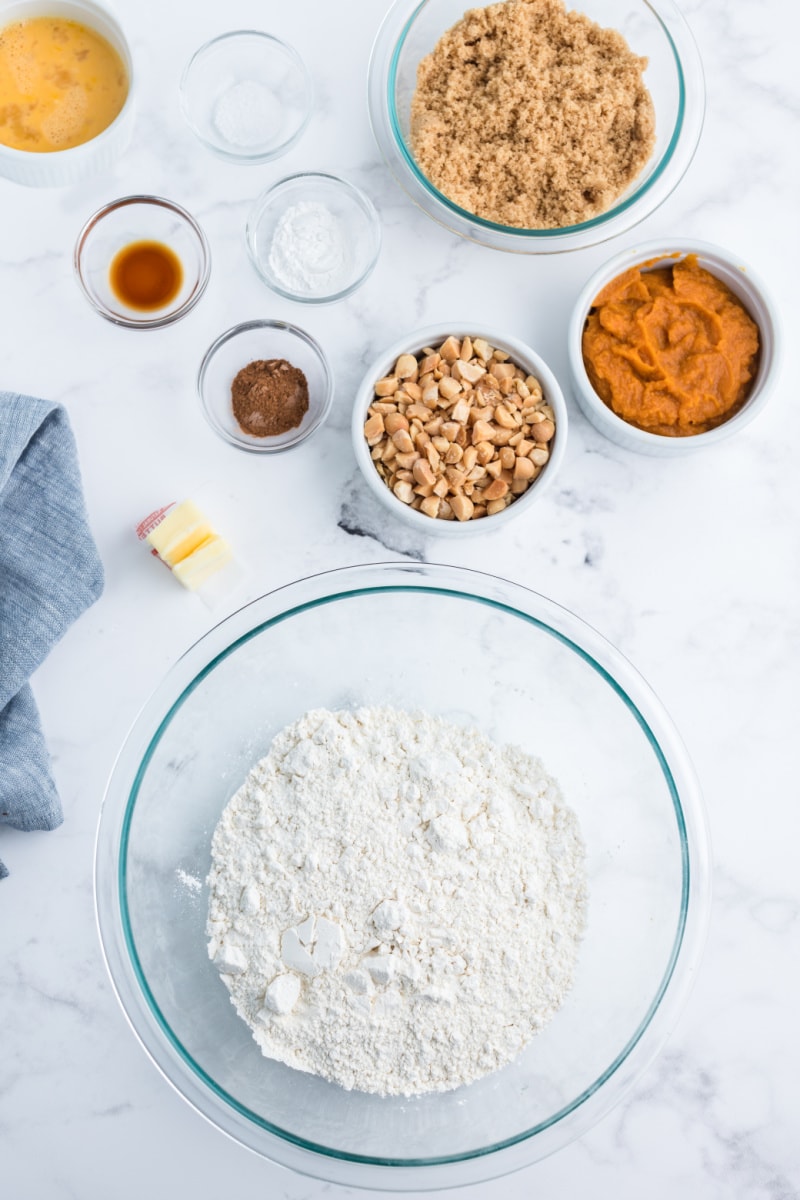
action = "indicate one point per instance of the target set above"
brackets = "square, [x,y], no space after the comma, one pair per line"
[308,252]
[396,903]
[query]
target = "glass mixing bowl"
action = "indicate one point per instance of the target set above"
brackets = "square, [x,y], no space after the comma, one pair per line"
[477,650]
[653,29]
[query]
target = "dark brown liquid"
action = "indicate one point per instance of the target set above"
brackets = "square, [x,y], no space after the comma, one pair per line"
[146,275]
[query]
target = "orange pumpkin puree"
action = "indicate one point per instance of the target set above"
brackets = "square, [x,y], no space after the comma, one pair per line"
[670,350]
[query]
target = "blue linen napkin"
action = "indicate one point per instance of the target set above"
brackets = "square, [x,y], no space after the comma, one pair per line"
[50,572]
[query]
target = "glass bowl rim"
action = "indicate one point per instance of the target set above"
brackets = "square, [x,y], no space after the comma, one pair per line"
[685,133]
[154,322]
[246,327]
[220,148]
[362,200]
[689,813]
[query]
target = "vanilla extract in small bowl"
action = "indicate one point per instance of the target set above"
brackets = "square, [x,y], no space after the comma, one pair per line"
[146,275]
[142,262]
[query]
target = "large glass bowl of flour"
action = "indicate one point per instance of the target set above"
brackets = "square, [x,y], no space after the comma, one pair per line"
[476,651]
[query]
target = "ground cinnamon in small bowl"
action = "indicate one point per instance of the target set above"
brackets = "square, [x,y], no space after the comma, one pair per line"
[269,397]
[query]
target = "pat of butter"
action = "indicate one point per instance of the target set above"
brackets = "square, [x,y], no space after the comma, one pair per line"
[203,562]
[182,537]
[180,533]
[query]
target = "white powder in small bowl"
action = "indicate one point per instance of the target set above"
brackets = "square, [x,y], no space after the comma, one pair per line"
[247,114]
[309,252]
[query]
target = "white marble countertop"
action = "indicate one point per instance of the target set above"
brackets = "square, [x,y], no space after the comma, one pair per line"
[689,566]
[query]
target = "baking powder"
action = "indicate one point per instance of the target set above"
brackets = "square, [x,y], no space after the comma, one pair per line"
[308,252]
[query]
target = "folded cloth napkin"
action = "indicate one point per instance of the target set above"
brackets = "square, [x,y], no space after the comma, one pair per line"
[49,573]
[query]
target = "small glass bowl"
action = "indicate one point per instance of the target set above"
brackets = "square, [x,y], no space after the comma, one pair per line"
[748,289]
[137,219]
[654,29]
[351,208]
[247,96]
[244,344]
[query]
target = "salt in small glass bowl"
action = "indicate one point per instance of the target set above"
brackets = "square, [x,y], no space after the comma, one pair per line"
[245,343]
[748,289]
[247,96]
[355,215]
[135,219]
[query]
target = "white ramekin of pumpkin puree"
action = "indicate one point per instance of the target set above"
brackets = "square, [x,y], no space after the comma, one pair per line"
[673,347]
[66,91]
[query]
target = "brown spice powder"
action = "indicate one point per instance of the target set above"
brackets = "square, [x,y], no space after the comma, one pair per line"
[532,116]
[269,397]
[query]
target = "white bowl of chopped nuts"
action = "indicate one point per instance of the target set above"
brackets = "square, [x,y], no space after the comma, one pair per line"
[458,429]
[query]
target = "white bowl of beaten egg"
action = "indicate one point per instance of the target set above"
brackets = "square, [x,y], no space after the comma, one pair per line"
[54,129]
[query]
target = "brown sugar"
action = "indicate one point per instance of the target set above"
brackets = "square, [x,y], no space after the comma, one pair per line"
[531,116]
[269,397]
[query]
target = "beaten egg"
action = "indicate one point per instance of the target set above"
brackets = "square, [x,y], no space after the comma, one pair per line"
[61,84]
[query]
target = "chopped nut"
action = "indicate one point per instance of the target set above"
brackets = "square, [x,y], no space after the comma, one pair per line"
[470,458]
[482,431]
[403,441]
[469,371]
[455,476]
[403,491]
[460,410]
[497,489]
[501,370]
[423,472]
[460,432]
[373,429]
[406,367]
[462,507]
[394,421]
[449,387]
[503,417]
[450,349]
